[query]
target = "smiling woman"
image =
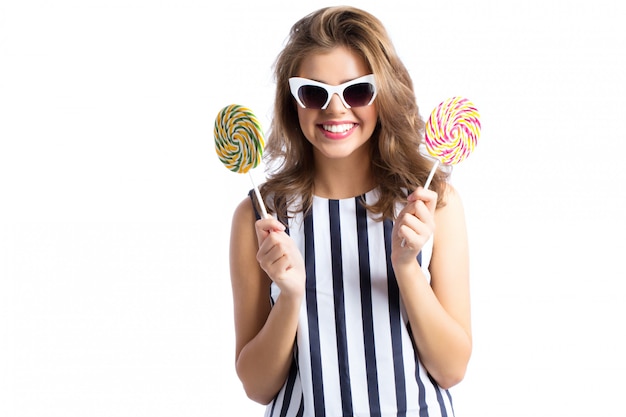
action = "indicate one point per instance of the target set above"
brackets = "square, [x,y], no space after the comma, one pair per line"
[330,308]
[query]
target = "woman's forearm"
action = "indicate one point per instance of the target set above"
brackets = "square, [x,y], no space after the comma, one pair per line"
[444,346]
[263,363]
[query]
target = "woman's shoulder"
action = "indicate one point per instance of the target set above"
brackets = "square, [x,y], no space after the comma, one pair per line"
[451,197]
[243,233]
[244,211]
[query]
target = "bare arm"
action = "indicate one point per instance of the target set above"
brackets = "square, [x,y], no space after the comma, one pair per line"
[439,313]
[264,336]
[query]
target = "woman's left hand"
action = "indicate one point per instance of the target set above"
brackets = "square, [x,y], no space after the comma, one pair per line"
[415,225]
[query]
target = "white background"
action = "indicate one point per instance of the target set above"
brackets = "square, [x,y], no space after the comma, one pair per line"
[115,211]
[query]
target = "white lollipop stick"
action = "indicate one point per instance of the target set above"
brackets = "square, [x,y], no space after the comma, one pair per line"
[426,185]
[432,174]
[258,196]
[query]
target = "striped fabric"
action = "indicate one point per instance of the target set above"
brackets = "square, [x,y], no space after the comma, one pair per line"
[354,354]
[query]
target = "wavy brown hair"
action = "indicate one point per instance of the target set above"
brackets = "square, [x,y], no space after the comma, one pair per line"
[397,164]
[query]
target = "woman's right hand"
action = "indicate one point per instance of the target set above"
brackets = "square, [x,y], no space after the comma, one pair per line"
[280,258]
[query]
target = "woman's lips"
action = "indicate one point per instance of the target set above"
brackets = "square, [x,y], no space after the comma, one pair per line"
[337,130]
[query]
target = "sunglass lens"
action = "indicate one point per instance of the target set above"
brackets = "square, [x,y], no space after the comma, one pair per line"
[358,95]
[313,97]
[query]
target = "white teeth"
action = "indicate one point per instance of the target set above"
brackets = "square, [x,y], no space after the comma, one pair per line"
[338,128]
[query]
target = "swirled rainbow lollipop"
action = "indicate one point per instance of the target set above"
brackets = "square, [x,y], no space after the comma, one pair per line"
[238,138]
[452,131]
[239,142]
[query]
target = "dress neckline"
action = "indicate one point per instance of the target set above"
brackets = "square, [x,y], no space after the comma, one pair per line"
[367,195]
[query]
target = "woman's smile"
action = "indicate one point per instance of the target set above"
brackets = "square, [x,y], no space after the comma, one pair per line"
[337,130]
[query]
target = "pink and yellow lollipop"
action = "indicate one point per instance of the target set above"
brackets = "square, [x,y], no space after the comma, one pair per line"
[452,131]
[239,142]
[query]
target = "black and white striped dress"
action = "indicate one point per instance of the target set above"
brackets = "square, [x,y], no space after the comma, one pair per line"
[354,354]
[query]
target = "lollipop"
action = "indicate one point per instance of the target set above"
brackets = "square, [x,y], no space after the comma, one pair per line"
[239,142]
[451,132]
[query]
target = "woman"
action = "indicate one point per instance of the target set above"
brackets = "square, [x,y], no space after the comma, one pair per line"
[352,304]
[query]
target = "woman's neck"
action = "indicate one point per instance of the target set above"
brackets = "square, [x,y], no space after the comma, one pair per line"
[344,178]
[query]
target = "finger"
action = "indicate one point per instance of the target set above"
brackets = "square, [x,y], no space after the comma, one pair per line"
[271,224]
[408,237]
[415,227]
[416,210]
[269,253]
[264,226]
[412,225]
[409,209]
[424,213]
[429,197]
[413,239]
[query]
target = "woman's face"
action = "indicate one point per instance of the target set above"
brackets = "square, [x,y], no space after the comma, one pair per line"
[337,132]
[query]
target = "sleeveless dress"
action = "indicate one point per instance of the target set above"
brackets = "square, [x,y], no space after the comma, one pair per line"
[354,355]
